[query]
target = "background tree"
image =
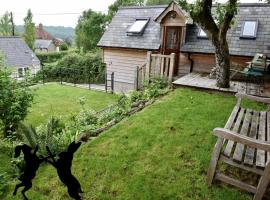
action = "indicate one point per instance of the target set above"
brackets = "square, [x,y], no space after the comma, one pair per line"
[29,30]
[6,25]
[90,27]
[158,2]
[215,26]
[15,99]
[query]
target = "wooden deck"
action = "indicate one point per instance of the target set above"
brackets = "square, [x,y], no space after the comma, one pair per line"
[202,81]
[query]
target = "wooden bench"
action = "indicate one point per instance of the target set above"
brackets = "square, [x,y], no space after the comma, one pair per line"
[244,143]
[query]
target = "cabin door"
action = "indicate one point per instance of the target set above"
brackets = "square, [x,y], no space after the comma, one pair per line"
[171,43]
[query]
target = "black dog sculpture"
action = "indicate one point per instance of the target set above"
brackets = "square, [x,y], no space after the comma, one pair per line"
[63,166]
[32,162]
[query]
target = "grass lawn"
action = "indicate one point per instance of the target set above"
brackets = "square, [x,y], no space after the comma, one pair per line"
[162,152]
[61,101]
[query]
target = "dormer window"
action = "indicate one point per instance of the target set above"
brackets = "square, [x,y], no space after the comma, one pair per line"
[201,34]
[249,29]
[138,27]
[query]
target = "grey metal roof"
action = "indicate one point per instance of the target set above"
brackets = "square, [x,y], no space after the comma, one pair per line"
[238,46]
[17,52]
[42,44]
[116,34]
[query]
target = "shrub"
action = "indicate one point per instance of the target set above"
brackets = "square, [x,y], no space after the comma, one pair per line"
[48,57]
[15,99]
[75,68]
[63,47]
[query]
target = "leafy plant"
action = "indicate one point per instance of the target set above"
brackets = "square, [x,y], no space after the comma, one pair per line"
[63,47]
[15,99]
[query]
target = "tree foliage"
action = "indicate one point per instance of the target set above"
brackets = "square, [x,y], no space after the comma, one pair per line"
[90,27]
[15,99]
[158,2]
[216,24]
[29,30]
[5,25]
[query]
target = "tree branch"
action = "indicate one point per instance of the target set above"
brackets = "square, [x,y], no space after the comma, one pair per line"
[231,10]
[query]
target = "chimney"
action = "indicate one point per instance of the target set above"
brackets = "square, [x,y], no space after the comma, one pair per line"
[40,26]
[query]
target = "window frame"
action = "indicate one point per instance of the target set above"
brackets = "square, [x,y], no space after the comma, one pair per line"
[133,33]
[201,36]
[255,31]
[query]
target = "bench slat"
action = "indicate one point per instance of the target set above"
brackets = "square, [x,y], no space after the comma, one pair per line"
[236,127]
[250,152]
[260,158]
[232,117]
[239,149]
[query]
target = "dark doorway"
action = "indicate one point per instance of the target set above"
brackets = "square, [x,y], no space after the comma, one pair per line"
[171,43]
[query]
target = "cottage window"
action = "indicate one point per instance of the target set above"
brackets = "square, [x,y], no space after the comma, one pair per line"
[202,34]
[138,27]
[249,29]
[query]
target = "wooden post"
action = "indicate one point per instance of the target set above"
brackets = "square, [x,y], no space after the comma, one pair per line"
[172,56]
[148,66]
[106,82]
[158,66]
[136,80]
[112,82]
[263,183]
[162,67]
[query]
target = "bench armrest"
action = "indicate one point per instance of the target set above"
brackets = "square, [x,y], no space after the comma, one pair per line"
[253,98]
[231,135]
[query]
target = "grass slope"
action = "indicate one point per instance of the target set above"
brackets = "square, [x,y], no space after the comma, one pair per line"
[60,100]
[162,152]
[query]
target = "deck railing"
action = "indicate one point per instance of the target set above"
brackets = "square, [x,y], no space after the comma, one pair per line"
[159,65]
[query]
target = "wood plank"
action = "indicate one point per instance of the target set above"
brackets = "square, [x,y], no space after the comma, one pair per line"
[263,183]
[230,135]
[158,66]
[244,167]
[229,146]
[239,149]
[162,67]
[172,58]
[236,183]
[232,117]
[254,98]
[260,158]
[148,66]
[167,61]
[250,152]
[214,160]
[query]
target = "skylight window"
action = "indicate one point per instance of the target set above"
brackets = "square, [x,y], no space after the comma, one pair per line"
[249,29]
[138,27]
[202,34]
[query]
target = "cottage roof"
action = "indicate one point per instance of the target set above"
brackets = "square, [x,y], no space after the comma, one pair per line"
[17,52]
[44,35]
[116,36]
[238,46]
[42,44]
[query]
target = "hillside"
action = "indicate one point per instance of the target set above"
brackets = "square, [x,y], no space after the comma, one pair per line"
[57,31]
[162,152]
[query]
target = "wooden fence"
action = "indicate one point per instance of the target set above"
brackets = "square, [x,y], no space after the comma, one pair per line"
[157,65]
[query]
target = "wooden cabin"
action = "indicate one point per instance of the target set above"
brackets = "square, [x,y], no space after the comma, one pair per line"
[164,30]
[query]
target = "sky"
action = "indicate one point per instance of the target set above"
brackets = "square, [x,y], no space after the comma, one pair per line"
[50,12]
[44,10]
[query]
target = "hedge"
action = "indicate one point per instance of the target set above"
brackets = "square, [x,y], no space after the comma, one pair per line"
[48,57]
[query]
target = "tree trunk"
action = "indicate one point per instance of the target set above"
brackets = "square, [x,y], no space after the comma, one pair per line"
[222,63]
